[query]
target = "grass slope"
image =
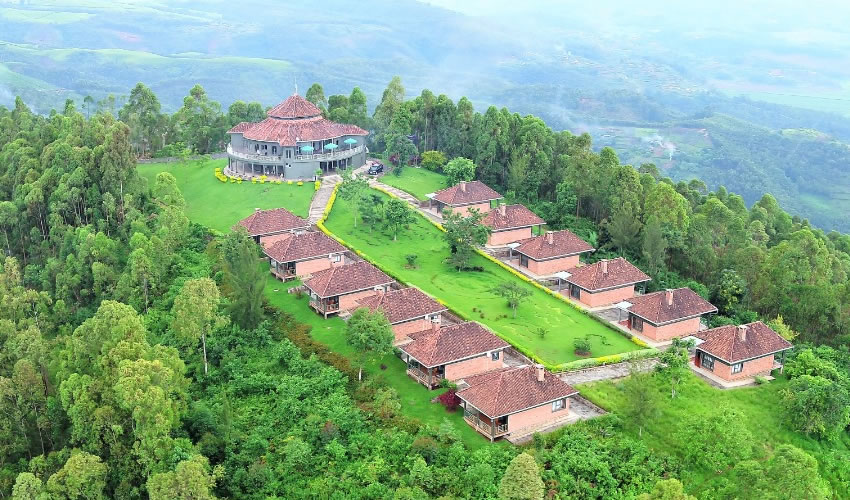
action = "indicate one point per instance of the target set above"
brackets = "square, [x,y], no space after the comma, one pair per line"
[218,205]
[465,291]
[416,181]
[415,398]
[760,406]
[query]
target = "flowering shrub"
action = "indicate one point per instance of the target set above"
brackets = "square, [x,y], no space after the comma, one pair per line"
[317,184]
[290,182]
[449,399]
[300,183]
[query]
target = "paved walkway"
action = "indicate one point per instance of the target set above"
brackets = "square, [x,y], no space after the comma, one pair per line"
[607,372]
[320,199]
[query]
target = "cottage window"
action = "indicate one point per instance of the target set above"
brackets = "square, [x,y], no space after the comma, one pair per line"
[495,355]
[558,405]
[289,153]
[737,368]
[336,257]
[435,318]
[523,260]
[708,362]
[274,150]
[575,292]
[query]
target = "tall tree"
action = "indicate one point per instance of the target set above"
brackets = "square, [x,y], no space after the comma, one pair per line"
[196,313]
[624,228]
[142,113]
[522,480]
[667,489]
[201,122]
[513,292]
[641,399]
[397,215]
[316,95]
[355,191]
[459,169]
[244,278]
[370,335]
[654,246]
[463,234]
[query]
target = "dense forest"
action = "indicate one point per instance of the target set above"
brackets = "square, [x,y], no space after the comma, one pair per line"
[110,294]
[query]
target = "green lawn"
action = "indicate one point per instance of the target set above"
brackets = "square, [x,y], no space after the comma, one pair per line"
[470,292]
[220,205]
[416,181]
[415,398]
[760,406]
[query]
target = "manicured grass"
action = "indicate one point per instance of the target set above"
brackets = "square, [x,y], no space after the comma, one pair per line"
[220,205]
[760,406]
[415,398]
[469,293]
[416,181]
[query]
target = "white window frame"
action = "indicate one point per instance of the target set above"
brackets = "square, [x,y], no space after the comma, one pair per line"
[495,355]
[737,368]
[558,405]
[336,257]
[435,318]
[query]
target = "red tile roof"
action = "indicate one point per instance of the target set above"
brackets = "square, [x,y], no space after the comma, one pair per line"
[295,120]
[562,243]
[620,273]
[303,246]
[668,306]
[347,279]
[466,193]
[240,127]
[726,342]
[510,390]
[451,343]
[293,107]
[514,216]
[403,305]
[278,220]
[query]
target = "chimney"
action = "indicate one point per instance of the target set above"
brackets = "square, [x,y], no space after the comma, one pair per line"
[742,332]
[550,237]
[503,209]
[435,326]
[256,210]
[463,186]
[669,295]
[541,373]
[604,264]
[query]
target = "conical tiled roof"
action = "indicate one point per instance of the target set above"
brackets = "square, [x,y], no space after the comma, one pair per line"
[294,107]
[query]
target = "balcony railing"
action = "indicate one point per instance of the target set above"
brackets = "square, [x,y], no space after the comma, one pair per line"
[324,307]
[279,159]
[284,274]
[422,377]
[483,426]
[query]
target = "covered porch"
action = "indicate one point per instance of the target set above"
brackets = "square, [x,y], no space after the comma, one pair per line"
[325,306]
[429,377]
[282,270]
[491,428]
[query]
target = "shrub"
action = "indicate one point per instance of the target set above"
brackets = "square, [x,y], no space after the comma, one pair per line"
[290,183]
[541,332]
[582,346]
[449,399]
[300,183]
[411,260]
[760,380]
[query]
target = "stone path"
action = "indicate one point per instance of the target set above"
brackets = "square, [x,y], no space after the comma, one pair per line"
[320,199]
[607,372]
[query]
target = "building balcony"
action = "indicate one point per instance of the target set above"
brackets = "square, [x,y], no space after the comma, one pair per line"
[423,378]
[282,274]
[341,153]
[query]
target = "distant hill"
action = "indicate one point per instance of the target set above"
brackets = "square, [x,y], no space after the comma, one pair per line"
[655,88]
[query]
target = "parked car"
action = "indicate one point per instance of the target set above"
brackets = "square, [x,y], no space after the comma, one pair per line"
[376,168]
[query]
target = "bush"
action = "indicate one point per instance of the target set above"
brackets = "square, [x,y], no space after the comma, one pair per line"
[411,260]
[582,346]
[300,183]
[449,399]
[760,380]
